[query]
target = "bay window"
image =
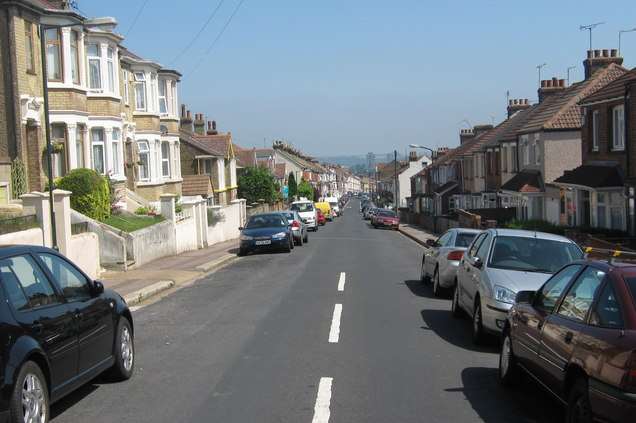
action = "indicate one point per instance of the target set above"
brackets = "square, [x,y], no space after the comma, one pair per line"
[79,146]
[94,67]
[126,93]
[165,159]
[152,106]
[618,128]
[144,160]
[75,67]
[97,141]
[140,91]
[163,101]
[53,39]
[116,150]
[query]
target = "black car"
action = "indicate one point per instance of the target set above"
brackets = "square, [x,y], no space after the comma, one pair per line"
[266,231]
[60,329]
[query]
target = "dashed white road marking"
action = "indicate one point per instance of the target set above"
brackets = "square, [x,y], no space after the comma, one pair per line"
[334,333]
[323,401]
[341,282]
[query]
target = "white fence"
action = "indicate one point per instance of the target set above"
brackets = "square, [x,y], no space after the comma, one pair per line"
[224,222]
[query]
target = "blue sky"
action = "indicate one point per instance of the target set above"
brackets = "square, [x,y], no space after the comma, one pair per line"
[351,76]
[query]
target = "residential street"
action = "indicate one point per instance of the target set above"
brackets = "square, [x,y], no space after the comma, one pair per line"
[250,343]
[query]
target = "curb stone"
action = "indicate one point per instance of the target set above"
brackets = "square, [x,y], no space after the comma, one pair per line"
[414,238]
[206,267]
[142,294]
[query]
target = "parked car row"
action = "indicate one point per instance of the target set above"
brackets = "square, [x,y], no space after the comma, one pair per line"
[568,322]
[379,217]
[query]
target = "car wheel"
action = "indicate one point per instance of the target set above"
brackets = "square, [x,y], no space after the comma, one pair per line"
[306,240]
[291,242]
[437,289]
[300,241]
[124,351]
[508,370]
[288,247]
[30,397]
[478,326]
[242,252]
[456,310]
[579,409]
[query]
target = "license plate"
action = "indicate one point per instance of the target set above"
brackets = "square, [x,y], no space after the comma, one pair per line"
[264,242]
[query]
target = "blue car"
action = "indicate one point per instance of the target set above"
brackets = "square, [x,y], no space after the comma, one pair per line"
[267,231]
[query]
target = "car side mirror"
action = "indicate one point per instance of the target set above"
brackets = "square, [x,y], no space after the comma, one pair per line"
[477,262]
[431,242]
[98,288]
[241,228]
[524,297]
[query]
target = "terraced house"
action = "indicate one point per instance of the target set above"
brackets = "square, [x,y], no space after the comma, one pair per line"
[110,110]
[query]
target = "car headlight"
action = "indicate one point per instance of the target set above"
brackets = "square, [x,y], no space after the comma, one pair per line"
[504,295]
[246,238]
[279,235]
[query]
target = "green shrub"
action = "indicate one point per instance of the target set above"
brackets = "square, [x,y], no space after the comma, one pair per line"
[90,193]
[142,210]
[18,178]
[536,225]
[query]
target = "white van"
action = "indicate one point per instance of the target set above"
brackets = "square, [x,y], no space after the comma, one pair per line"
[333,202]
[307,212]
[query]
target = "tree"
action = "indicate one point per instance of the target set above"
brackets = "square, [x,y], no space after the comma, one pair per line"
[256,183]
[305,189]
[291,184]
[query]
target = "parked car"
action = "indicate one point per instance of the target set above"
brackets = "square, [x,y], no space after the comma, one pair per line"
[307,212]
[60,329]
[299,229]
[369,212]
[333,203]
[441,259]
[266,231]
[576,335]
[322,220]
[385,219]
[325,208]
[498,264]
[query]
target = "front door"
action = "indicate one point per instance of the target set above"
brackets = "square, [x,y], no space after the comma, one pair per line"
[562,329]
[94,315]
[42,313]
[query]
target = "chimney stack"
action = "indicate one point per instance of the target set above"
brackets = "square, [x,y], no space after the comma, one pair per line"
[199,124]
[516,105]
[412,156]
[186,119]
[550,87]
[465,135]
[599,59]
[212,128]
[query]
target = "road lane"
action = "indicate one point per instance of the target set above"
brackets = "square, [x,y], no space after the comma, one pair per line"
[249,344]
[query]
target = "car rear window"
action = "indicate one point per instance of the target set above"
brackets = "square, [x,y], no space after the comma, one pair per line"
[631,283]
[387,214]
[464,239]
[303,207]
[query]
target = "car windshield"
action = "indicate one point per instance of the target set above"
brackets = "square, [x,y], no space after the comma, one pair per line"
[631,283]
[532,254]
[464,239]
[288,215]
[266,221]
[386,213]
[303,207]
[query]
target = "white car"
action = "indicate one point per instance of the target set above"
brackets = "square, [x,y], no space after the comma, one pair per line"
[333,202]
[441,259]
[498,264]
[307,212]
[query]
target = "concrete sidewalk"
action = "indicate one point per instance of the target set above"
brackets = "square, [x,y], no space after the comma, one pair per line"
[141,283]
[417,233]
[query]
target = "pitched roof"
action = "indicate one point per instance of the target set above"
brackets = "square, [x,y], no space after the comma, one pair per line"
[221,143]
[562,111]
[196,185]
[615,89]
[528,180]
[593,176]
[244,157]
[512,125]
[186,137]
[463,149]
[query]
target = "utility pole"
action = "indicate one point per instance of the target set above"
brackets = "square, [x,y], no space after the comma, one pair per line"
[395,182]
[590,28]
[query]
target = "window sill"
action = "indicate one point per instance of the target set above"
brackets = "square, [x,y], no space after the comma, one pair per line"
[109,96]
[65,86]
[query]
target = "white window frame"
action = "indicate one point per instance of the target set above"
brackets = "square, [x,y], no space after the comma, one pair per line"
[595,130]
[98,143]
[75,57]
[618,128]
[126,88]
[163,99]
[165,160]
[140,83]
[92,58]
[116,151]
[110,69]
[144,150]
[79,147]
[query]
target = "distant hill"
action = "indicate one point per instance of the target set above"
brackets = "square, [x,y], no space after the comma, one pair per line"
[358,159]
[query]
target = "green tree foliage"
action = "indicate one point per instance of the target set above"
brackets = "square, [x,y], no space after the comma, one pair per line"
[90,192]
[18,178]
[291,183]
[257,183]
[305,189]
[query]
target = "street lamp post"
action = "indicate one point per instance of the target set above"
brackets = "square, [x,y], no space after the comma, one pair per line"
[55,23]
[423,147]
[395,180]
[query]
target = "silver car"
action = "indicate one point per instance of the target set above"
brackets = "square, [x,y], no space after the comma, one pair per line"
[498,264]
[441,259]
[299,228]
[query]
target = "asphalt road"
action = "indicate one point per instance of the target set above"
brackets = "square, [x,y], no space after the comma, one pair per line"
[251,343]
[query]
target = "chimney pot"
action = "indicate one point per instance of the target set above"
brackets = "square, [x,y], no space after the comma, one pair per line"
[562,83]
[589,54]
[183,110]
[613,52]
[605,53]
[597,53]
[544,83]
[189,114]
[525,101]
[509,102]
[209,125]
[555,82]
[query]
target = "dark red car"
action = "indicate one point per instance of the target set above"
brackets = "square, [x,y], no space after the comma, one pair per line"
[322,220]
[576,336]
[385,219]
